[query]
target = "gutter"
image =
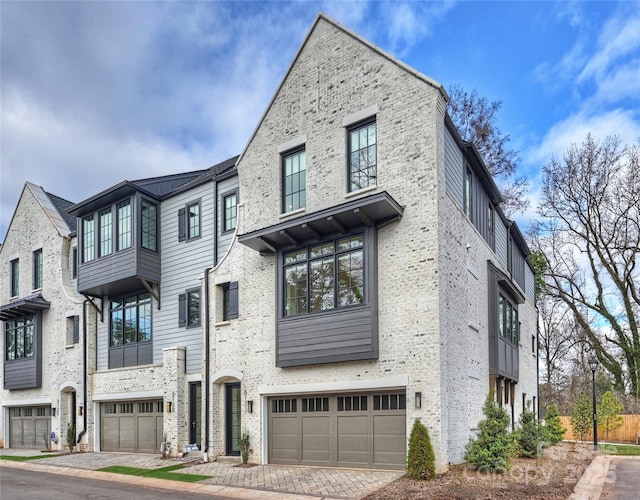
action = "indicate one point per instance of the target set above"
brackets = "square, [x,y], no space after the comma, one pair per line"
[84,371]
[207,330]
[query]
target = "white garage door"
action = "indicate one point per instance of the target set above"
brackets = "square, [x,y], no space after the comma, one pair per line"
[131,426]
[346,430]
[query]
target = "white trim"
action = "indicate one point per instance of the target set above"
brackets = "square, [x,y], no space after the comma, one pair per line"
[293,143]
[352,194]
[27,402]
[129,395]
[222,279]
[358,116]
[265,430]
[96,425]
[226,373]
[194,377]
[69,384]
[36,247]
[397,381]
[293,212]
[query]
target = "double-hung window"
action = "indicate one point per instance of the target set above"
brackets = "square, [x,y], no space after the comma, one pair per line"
[124,224]
[37,269]
[294,180]
[324,276]
[193,221]
[131,320]
[88,239]
[362,156]
[105,221]
[149,225]
[230,203]
[15,278]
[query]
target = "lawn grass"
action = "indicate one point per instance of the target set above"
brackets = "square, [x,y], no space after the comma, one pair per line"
[619,449]
[163,473]
[15,458]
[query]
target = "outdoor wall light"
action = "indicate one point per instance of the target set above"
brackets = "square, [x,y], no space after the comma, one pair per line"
[80,410]
[168,406]
[53,412]
[250,406]
[418,400]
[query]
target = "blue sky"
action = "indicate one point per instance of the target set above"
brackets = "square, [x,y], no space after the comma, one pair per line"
[95,93]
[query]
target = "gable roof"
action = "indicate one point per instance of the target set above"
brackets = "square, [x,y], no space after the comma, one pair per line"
[53,206]
[323,18]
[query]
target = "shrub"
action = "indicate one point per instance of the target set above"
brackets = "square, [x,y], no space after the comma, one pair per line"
[529,435]
[244,447]
[553,430]
[71,437]
[421,463]
[492,450]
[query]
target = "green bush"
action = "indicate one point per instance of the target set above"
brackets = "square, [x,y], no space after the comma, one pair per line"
[71,437]
[492,450]
[529,435]
[421,463]
[244,447]
[553,430]
[582,417]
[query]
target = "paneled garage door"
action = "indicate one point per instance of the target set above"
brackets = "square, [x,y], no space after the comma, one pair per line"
[30,426]
[346,430]
[131,426]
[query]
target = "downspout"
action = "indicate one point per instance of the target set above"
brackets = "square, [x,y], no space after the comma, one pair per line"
[207,363]
[85,375]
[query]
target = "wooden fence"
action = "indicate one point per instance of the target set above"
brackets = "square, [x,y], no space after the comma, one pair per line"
[627,433]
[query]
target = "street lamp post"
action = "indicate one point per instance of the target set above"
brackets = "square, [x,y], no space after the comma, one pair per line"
[593,364]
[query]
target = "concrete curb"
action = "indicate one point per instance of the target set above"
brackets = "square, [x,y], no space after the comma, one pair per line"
[589,487]
[165,484]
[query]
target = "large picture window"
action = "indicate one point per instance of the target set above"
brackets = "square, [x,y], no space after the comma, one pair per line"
[19,338]
[325,276]
[362,156]
[294,167]
[131,320]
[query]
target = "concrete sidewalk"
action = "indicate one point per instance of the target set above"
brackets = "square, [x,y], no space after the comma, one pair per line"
[226,479]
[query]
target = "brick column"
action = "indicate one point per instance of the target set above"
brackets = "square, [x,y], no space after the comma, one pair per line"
[174,385]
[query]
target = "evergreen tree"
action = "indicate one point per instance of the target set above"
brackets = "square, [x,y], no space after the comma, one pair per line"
[492,450]
[582,417]
[421,463]
[553,430]
[529,435]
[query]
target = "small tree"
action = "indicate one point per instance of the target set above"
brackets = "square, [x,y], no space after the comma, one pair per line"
[553,430]
[529,435]
[421,463]
[582,417]
[71,437]
[491,451]
[609,418]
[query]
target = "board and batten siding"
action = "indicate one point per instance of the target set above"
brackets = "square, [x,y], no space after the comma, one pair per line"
[225,239]
[183,263]
[501,241]
[529,284]
[454,165]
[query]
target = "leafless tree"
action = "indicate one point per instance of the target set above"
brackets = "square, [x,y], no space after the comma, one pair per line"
[475,118]
[589,232]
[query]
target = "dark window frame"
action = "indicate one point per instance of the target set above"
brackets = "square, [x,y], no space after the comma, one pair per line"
[38,269]
[508,319]
[15,277]
[105,233]
[372,180]
[193,231]
[229,222]
[230,302]
[149,233]
[88,238]
[124,230]
[74,262]
[468,192]
[308,262]
[141,299]
[296,177]
[16,329]
[185,319]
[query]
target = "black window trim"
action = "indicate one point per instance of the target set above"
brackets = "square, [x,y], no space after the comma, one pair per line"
[223,214]
[193,203]
[302,148]
[183,306]
[123,296]
[348,129]
[115,229]
[143,200]
[38,269]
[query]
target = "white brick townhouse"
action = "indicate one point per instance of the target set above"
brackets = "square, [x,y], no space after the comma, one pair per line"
[349,272]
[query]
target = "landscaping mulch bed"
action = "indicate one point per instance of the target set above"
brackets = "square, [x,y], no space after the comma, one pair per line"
[549,477]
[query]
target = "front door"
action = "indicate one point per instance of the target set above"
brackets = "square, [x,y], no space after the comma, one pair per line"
[233,402]
[195,413]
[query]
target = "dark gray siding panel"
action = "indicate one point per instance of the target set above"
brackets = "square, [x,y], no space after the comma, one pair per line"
[518,266]
[454,165]
[501,241]
[529,284]
[149,264]
[337,335]
[118,266]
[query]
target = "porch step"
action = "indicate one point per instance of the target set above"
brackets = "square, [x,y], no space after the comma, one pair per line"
[228,459]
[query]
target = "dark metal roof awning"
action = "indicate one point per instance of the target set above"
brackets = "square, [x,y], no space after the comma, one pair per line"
[23,307]
[375,211]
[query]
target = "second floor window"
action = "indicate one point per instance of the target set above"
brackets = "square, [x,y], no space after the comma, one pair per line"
[193,219]
[324,276]
[149,226]
[88,239]
[294,181]
[468,193]
[106,234]
[15,278]
[230,211]
[19,337]
[508,324]
[131,320]
[124,224]
[193,308]
[37,269]
[362,156]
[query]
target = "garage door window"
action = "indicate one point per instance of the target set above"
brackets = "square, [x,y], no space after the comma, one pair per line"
[315,404]
[284,405]
[352,403]
[389,402]
[126,407]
